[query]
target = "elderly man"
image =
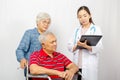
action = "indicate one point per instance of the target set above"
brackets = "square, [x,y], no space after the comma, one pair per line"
[48,61]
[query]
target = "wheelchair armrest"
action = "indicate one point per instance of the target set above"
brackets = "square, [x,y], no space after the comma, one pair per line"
[28,75]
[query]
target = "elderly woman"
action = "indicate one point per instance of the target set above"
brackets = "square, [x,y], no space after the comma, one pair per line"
[30,42]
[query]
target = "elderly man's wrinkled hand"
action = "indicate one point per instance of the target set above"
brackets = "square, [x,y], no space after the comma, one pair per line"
[68,75]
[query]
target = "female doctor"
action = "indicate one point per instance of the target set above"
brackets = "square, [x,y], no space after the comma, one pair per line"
[86,59]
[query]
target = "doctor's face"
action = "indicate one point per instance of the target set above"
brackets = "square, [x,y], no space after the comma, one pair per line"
[83,17]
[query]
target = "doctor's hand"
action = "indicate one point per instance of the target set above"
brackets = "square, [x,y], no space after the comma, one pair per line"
[82,44]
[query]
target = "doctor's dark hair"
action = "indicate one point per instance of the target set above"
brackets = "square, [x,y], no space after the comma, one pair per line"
[87,10]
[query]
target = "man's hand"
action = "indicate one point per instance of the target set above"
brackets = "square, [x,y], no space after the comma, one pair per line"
[68,75]
[23,63]
[61,74]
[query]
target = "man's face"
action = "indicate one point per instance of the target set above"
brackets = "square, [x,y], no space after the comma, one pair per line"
[50,44]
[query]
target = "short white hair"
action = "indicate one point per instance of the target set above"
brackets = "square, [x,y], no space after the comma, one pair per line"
[41,16]
[42,38]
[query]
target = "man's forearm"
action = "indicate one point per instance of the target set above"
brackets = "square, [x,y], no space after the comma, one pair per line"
[73,68]
[35,69]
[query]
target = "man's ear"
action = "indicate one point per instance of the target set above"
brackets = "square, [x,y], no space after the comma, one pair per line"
[43,45]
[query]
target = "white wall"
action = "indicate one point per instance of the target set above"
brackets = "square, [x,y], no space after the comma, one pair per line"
[18,15]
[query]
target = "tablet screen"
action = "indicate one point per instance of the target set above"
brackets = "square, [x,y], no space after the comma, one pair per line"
[92,40]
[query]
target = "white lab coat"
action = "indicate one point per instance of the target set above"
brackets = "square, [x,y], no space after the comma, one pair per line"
[89,59]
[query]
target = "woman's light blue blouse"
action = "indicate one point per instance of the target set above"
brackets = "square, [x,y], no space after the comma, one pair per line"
[28,44]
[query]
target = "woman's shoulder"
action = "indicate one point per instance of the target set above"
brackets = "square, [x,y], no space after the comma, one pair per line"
[33,30]
[77,28]
[96,26]
[98,29]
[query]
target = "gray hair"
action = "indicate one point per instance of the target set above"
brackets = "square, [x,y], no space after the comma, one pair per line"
[42,38]
[41,16]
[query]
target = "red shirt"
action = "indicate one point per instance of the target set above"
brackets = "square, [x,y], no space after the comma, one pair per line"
[58,62]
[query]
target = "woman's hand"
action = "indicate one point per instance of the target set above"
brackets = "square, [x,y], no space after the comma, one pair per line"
[84,44]
[23,63]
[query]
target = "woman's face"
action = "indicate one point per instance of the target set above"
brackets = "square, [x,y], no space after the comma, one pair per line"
[84,17]
[43,25]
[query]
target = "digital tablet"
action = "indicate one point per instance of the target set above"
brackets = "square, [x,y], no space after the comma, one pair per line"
[92,40]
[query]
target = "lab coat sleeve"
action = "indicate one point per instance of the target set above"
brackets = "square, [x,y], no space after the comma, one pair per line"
[72,42]
[98,48]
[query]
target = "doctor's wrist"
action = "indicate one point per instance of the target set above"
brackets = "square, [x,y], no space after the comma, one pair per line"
[89,48]
[74,48]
